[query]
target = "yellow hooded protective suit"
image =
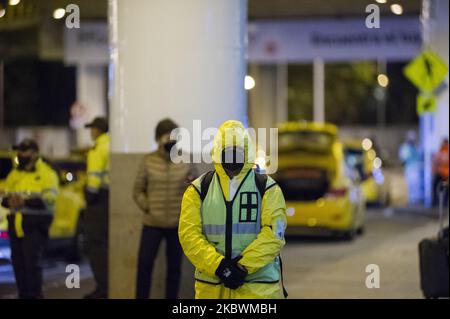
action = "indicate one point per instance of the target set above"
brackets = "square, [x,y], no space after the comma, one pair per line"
[262,251]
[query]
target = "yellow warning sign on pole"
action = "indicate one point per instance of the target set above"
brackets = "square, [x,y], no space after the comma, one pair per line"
[426,71]
[426,103]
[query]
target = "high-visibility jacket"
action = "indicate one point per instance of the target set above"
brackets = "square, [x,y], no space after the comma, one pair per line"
[98,165]
[41,183]
[256,230]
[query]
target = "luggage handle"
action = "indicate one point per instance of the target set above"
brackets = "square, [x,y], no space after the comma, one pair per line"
[442,187]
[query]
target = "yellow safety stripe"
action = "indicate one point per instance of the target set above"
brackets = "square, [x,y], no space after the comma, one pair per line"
[18,225]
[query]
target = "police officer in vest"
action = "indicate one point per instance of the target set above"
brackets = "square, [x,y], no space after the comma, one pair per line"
[232,223]
[30,194]
[97,198]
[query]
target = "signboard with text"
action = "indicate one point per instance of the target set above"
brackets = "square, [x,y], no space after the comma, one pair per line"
[397,39]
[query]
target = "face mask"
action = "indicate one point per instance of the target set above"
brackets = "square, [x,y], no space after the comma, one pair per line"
[168,146]
[233,168]
[23,162]
[233,160]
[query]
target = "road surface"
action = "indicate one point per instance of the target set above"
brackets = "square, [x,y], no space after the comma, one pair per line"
[313,268]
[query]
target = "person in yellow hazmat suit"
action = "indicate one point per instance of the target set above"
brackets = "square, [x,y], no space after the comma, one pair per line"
[97,199]
[30,194]
[232,223]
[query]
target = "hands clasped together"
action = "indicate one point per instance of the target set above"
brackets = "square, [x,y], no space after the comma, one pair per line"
[231,273]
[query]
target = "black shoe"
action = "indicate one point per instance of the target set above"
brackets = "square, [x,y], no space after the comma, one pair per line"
[96,294]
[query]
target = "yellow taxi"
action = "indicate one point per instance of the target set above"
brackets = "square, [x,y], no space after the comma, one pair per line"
[65,230]
[362,157]
[320,196]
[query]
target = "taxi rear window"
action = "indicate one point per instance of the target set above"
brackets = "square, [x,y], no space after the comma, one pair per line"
[308,141]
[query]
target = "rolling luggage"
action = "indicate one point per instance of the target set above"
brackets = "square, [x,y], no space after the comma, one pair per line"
[434,258]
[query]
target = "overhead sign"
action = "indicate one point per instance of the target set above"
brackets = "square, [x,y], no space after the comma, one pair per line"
[426,71]
[398,39]
[426,103]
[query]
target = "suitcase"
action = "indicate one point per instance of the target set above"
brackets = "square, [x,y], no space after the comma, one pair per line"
[434,258]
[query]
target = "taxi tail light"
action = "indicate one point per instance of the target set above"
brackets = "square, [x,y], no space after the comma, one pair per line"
[337,192]
[4,235]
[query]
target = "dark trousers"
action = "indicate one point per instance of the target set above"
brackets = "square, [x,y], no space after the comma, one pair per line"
[26,256]
[96,243]
[150,240]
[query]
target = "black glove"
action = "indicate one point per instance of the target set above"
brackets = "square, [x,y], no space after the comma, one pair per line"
[231,274]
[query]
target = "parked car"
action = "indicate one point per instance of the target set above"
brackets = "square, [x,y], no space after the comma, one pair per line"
[320,197]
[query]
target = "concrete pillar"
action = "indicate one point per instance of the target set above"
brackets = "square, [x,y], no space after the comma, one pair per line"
[268,99]
[319,90]
[435,32]
[282,93]
[179,59]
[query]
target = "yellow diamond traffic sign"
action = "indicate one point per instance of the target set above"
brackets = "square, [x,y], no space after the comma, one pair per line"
[426,103]
[426,71]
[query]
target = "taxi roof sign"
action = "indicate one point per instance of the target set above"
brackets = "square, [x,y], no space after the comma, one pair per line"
[426,71]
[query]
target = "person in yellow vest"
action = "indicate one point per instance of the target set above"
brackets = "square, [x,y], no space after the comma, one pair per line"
[30,195]
[97,199]
[232,223]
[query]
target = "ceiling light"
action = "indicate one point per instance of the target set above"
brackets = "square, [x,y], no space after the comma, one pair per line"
[377,163]
[249,82]
[383,80]
[396,9]
[367,144]
[59,13]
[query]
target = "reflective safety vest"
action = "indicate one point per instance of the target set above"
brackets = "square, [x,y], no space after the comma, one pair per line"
[232,225]
[41,183]
[98,165]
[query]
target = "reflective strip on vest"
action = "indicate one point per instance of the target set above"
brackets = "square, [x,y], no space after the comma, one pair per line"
[209,229]
[104,180]
[98,174]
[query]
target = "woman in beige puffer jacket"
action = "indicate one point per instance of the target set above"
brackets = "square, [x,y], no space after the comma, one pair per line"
[158,190]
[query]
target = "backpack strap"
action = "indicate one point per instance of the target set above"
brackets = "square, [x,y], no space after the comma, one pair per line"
[261,181]
[204,184]
[285,293]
